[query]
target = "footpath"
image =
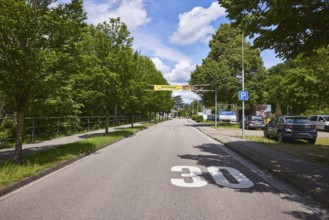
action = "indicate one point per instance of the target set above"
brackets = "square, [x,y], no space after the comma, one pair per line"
[310,177]
[6,154]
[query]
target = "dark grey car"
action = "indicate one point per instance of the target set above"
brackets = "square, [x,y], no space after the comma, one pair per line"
[253,121]
[291,127]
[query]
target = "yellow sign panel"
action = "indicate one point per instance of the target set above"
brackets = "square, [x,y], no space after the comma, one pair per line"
[172,87]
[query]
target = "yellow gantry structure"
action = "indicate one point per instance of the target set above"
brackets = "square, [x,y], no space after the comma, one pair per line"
[193,88]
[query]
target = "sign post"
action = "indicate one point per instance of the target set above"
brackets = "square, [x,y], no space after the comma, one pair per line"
[243,94]
[216,113]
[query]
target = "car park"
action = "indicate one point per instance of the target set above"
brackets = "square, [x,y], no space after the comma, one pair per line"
[321,122]
[291,127]
[253,122]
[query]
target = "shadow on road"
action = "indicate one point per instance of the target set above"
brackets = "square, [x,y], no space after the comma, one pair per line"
[215,156]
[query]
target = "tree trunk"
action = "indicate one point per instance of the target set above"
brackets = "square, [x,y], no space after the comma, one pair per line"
[107,120]
[19,135]
[116,114]
[132,120]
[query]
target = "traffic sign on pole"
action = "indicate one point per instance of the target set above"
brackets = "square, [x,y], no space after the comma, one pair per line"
[243,96]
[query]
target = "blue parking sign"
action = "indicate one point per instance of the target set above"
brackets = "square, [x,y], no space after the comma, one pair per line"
[243,96]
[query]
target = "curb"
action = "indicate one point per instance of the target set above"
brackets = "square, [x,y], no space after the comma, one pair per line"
[297,183]
[293,182]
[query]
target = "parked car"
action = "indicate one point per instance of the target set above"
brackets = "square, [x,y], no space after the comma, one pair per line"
[321,122]
[253,121]
[227,116]
[291,127]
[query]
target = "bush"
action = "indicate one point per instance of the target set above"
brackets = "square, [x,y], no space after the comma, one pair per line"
[8,127]
[197,118]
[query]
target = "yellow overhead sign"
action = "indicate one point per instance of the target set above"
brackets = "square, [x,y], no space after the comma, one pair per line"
[172,87]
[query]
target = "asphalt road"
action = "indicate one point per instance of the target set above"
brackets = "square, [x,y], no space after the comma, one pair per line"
[169,171]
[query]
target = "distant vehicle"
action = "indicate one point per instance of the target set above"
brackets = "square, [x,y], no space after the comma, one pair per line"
[227,116]
[291,127]
[253,121]
[321,122]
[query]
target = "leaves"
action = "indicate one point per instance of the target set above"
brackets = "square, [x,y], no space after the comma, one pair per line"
[223,67]
[289,27]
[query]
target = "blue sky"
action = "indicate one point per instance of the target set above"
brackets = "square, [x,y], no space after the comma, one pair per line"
[173,33]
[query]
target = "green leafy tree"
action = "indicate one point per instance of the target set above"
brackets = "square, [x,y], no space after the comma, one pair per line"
[178,102]
[35,39]
[154,101]
[104,53]
[300,84]
[222,67]
[305,83]
[289,27]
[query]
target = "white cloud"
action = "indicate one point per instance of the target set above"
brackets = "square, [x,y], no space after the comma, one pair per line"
[195,25]
[144,41]
[187,96]
[180,74]
[163,68]
[131,12]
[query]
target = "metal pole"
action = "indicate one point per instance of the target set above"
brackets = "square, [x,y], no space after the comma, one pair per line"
[215,105]
[242,87]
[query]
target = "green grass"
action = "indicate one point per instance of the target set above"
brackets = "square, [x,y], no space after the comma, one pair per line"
[221,124]
[318,152]
[40,138]
[11,172]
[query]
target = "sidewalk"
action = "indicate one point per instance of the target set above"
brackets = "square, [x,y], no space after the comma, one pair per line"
[6,154]
[309,177]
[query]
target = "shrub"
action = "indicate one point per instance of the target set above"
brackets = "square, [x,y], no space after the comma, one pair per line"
[197,118]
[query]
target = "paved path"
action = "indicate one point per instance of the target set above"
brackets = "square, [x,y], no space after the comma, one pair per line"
[8,153]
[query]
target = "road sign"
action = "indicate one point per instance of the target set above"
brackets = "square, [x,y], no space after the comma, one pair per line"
[172,87]
[243,95]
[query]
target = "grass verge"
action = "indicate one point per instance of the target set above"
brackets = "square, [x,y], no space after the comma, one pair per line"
[318,152]
[221,124]
[42,160]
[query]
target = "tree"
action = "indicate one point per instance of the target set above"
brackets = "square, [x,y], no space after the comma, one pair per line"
[154,101]
[178,102]
[222,67]
[289,27]
[35,39]
[301,83]
[102,51]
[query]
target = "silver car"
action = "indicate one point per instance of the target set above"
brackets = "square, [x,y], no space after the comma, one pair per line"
[321,122]
[253,122]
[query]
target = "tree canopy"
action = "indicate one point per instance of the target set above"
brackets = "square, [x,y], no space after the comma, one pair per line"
[36,42]
[222,66]
[53,63]
[301,84]
[289,27]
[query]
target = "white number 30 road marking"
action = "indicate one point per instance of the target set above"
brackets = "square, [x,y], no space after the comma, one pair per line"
[241,181]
